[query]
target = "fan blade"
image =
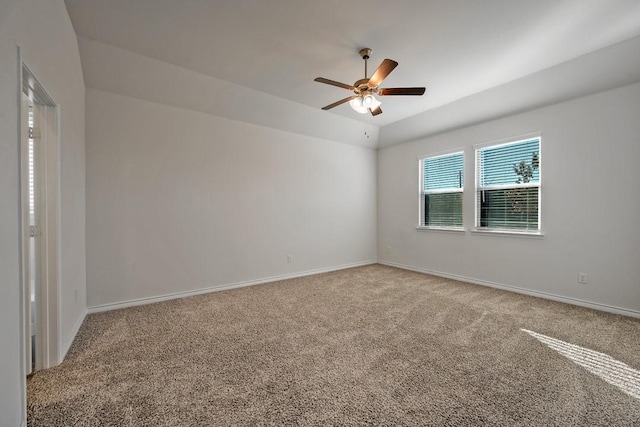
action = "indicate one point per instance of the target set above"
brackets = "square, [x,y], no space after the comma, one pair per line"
[402,91]
[342,101]
[376,111]
[382,72]
[333,83]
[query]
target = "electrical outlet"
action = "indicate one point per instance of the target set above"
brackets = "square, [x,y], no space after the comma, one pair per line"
[289,259]
[388,250]
[583,278]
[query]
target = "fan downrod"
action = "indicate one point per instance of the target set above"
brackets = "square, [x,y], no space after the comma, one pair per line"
[364,53]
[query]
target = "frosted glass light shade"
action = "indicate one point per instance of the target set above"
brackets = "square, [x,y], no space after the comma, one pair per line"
[356,104]
[370,101]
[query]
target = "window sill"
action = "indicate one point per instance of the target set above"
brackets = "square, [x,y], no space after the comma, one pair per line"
[509,233]
[442,229]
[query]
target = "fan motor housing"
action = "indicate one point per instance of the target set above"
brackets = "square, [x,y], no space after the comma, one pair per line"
[361,85]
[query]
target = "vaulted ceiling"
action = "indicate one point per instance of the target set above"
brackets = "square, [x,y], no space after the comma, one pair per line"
[456,48]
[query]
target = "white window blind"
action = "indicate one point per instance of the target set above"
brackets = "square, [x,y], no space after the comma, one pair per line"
[441,190]
[508,186]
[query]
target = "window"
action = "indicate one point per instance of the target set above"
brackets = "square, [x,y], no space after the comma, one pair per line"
[508,186]
[441,189]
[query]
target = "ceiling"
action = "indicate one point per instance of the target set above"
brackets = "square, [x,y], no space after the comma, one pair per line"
[456,48]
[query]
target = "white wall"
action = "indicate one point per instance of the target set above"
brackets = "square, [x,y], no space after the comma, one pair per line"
[43,31]
[584,75]
[115,70]
[590,204]
[12,390]
[179,200]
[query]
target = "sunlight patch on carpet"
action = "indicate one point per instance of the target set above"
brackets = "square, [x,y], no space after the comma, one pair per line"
[604,366]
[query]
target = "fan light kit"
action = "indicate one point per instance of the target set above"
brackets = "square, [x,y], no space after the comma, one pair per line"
[364,100]
[365,103]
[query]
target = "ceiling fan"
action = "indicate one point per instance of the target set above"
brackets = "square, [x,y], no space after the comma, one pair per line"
[364,100]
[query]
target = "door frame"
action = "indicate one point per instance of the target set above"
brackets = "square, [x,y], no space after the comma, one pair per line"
[48,337]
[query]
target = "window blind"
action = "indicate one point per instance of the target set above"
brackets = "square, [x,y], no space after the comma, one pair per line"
[441,190]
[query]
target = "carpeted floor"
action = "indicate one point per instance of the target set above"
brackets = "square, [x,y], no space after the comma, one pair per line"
[372,345]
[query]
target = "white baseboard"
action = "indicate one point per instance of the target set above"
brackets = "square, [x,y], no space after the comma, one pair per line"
[176,295]
[545,295]
[66,345]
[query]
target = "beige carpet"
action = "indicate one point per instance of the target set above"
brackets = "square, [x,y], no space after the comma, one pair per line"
[366,346]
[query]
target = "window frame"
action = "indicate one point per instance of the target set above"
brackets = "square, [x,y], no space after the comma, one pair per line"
[422,192]
[477,148]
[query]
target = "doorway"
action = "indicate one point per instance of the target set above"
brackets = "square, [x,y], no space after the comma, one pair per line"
[39,216]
